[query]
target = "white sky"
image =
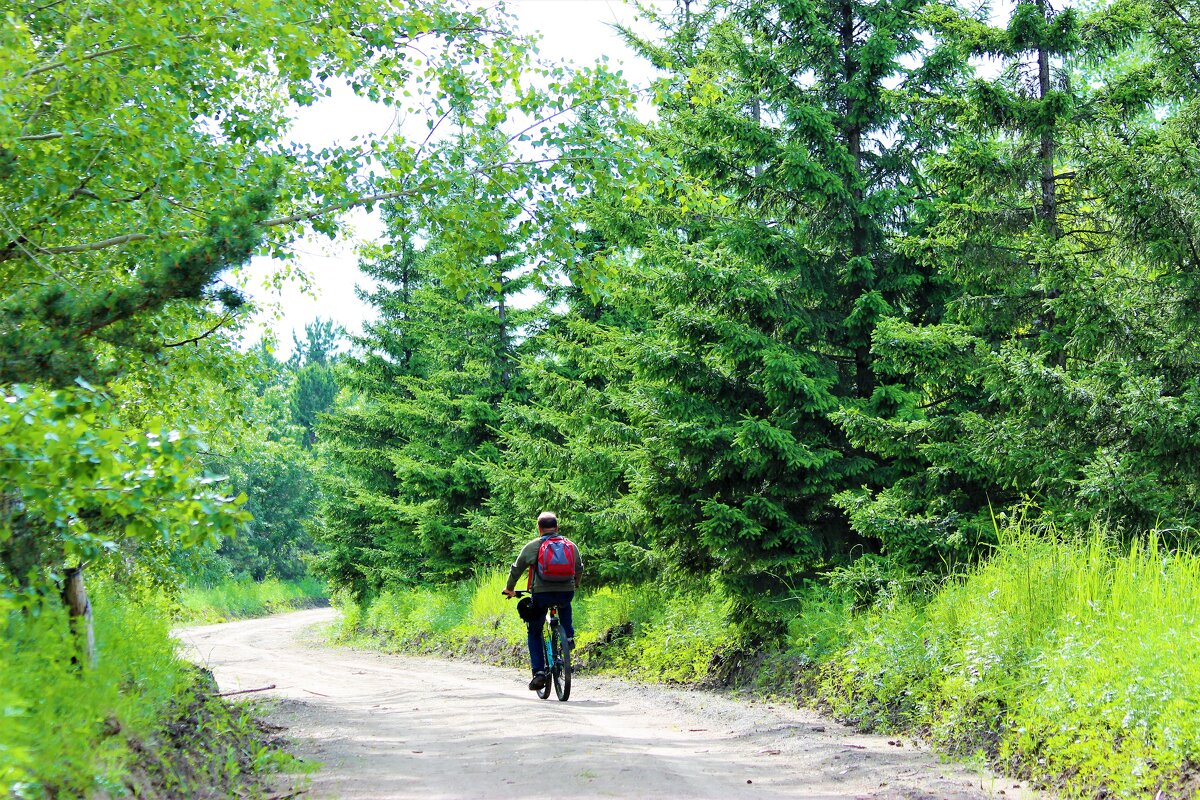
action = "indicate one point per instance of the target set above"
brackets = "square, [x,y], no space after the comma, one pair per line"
[578,31]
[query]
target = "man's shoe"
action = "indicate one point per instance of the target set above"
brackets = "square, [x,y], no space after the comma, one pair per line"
[539,681]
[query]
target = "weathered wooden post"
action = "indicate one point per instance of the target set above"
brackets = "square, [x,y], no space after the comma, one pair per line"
[74,596]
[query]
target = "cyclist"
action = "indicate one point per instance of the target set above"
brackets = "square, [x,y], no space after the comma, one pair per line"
[545,592]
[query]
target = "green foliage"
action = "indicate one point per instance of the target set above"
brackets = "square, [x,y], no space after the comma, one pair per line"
[281,488]
[414,440]
[270,462]
[1069,660]
[1060,222]
[125,196]
[311,394]
[320,345]
[765,255]
[567,443]
[677,636]
[77,482]
[447,618]
[843,298]
[838,307]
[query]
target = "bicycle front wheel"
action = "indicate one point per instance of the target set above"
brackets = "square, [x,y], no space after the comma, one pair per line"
[562,665]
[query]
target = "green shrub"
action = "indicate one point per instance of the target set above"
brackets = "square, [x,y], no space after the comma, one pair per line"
[676,636]
[602,610]
[817,619]
[1113,697]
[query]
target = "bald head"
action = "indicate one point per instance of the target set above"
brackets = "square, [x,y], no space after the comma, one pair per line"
[547,522]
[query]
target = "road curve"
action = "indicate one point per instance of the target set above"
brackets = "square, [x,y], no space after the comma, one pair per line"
[386,727]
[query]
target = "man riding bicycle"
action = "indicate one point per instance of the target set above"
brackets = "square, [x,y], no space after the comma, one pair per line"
[555,567]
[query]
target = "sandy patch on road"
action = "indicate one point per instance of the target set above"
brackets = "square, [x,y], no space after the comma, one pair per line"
[386,727]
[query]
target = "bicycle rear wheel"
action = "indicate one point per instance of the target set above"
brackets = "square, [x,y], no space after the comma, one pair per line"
[544,692]
[562,664]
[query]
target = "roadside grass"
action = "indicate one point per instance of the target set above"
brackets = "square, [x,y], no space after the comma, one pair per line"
[1067,660]
[54,729]
[649,631]
[244,598]
[140,722]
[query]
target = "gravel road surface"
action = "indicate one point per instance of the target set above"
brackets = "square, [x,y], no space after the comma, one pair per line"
[385,727]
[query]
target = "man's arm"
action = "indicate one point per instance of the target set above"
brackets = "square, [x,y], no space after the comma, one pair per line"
[524,561]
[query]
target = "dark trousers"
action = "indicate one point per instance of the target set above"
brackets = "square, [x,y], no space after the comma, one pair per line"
[542,602]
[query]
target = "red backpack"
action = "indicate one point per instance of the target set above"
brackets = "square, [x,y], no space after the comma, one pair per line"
[556,559]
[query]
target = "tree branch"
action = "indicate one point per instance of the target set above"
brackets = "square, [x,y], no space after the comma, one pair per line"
[99,245]
[8,252]
[935,403]
[225,319]
[342,206]
[80,59]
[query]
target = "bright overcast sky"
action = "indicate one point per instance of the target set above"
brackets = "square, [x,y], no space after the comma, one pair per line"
[572,30]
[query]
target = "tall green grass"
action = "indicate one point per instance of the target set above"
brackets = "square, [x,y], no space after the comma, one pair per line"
[646,631]
[243,598]
[65,730]
[1074,661]
[140,722]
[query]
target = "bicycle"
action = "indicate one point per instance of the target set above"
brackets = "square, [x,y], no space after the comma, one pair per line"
[558,655]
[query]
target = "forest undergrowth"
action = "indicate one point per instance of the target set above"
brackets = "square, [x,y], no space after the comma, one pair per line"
[141,722]
[1066,660]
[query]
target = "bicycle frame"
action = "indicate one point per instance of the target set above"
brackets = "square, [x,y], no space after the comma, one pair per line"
[559,669]
[548,627]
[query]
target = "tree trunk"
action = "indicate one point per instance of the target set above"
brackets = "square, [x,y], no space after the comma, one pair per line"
[864,375]
[756,114]
[1049,201]
[505,366]
[1046,150]
[79,610]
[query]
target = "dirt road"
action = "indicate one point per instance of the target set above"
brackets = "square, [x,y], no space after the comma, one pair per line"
[387,727]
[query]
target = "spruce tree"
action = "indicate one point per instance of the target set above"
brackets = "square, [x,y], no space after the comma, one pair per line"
[363,548]
[767,278]
[566,440]
[1054,361]
[412,443]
